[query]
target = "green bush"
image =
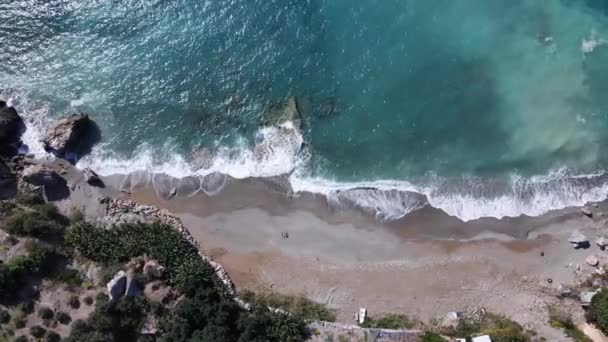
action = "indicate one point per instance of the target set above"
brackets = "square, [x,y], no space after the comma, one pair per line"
[88,300]
[499,328]
[52,336]
[74,302]
[389,321]
[598,310]
[69,276]
[37,331]
[300,306]
[14,272]
[21,338]
[562,320]
[41,220]
[63,318]
[45,313]
[431,337]
[5,317]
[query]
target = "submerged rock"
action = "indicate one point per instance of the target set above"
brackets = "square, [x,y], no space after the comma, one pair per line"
[11,127]
[283,112]
[578,240]
[71,137]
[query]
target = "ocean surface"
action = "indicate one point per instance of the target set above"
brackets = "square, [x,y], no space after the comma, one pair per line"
[480,108]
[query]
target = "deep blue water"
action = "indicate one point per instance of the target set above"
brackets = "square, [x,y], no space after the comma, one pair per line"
[400,90]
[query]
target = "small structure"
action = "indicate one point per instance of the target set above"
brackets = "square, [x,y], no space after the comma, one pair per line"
[483,338]
[361,315]
[586,297]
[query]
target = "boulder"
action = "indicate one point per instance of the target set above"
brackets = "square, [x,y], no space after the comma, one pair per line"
[132,288]
[592,260]
[153,269]
[602,242]
[11,127]
[117,286]
[92,178]
[564,291]
[587,211]
[8,182]
[41,175]
[285,111]
[578,240]
[71,137]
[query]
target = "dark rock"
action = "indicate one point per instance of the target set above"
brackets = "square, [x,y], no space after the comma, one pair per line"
[587,211]
[117,286]
[92,178]
[285,111]
[132,288]
[8,182]
[72,137]
[55,187]
[11,127]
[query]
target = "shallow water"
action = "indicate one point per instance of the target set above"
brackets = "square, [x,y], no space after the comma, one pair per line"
[487,108]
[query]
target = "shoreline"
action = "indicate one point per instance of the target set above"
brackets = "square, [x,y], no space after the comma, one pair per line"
[425,265]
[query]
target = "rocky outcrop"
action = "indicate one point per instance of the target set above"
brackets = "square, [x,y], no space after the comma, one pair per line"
[92,178]
[54,186]
[132,288]
[587,211]
[602,242]
[11,127]
[592,260]
[285,111]
[578,240]
[153,269]
[117,286]
[8,182]
[71,137]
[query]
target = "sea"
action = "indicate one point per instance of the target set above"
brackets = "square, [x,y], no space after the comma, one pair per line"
[480,108]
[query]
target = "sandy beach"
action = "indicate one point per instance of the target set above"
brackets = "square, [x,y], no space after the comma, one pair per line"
[426,264]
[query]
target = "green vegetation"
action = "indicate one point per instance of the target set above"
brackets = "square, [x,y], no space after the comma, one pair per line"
[120,321]
[45,313]
[598,310]
[299,306]
[63,318]
[37,331]
[389,321]
[88,300]
[40,220]
[14,272]
[206,313]
[68,276]
[562,320]
[431,337]
[500,329]
[52,336]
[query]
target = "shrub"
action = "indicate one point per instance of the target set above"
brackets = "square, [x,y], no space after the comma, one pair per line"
[500,329]
[37,331]
[52,336]
[19,323]
[431,337]
[4,317]
[74,302]
[63,318]
[88,300]
[562,320]
[14,272]
[76,216]
[41,220]
[45,313]
[598,310]
[21,338]
[389,321]
[69,276]
[300,306]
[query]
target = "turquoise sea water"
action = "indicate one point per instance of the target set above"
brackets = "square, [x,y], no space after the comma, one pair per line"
[487,108]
